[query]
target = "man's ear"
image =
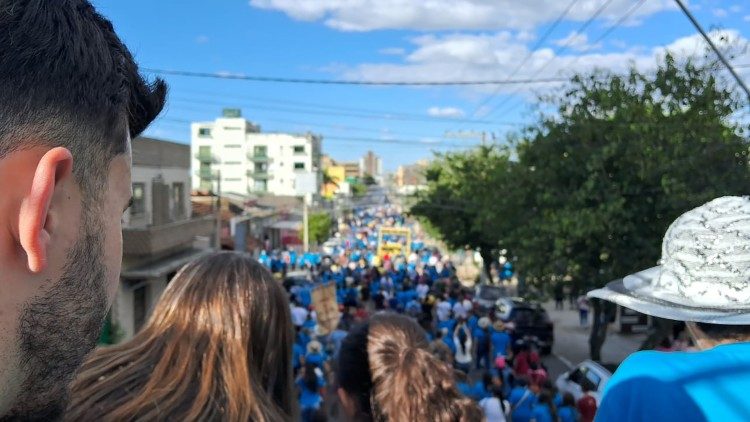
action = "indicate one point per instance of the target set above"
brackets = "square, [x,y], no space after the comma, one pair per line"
[55,166]
[350,408]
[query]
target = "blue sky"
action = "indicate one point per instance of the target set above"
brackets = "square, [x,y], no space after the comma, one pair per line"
[396,40]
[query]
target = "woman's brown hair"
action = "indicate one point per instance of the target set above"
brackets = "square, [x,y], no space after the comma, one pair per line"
[386,368]
[217,347]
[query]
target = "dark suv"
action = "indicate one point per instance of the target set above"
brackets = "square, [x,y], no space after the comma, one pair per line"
[528,322]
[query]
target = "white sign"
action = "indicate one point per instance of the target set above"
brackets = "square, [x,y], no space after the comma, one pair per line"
[306,184]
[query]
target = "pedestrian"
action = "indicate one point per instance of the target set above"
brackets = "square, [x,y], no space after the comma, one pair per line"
[559,296]
[495,406]
[416,386]
[500,341]
[586,405]
[315,354]
[522,400]
[218,346]
[482,344]
[71,99]
[583,310]
[310,386]
[441,350]
[702,280]
[544,409]
[299,313]
[567,411]
[463,341]
[522,361]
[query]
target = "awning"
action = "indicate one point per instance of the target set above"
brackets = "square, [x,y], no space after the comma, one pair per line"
[163,266]
[287,225]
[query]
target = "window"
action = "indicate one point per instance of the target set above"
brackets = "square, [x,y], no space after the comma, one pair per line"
[260,151]
[299,166]
[139,199]
[299,149]
[261,186]
[229,163]
[261,168]
[139,306]
[232,146]
[204,132]
[178,198]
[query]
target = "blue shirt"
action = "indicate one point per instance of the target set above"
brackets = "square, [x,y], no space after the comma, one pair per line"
[500,342]
[541,413]
[711,385]
[567,414]
[308,398]
[523,401]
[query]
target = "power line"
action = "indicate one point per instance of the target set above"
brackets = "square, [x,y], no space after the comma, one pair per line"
[705,36]
[559,50]
[528,56]
[242,77]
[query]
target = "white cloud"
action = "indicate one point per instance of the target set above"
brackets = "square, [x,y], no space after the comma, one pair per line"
[736,8]
[720,13]
[392,51]
[497,56]
[201,39]
[577,42]
[367,15]
[746,18]
[449,112]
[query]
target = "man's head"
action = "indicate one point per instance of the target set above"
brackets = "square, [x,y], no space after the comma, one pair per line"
[70,100]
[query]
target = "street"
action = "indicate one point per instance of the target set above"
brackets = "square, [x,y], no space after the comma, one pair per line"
[572,342]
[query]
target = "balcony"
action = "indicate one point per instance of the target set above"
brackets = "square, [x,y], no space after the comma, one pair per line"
[205,174]
[259,175]
[258,158]
[206,157]
[166,238]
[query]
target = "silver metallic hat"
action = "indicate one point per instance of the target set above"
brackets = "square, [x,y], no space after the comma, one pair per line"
[704,271]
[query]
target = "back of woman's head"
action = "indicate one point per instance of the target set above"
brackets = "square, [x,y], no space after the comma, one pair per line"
[217,346]
[388,374]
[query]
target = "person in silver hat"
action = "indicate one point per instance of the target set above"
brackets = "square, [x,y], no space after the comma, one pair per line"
[703,279]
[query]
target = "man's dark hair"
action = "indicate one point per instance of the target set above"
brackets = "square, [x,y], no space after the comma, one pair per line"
[721,333]
[67,80]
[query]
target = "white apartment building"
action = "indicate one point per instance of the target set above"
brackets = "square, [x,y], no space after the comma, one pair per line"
[233,153]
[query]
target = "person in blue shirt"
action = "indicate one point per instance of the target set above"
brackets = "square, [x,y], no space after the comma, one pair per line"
[297,352]
[449,324]
[447,338]
[315,354]
[310,384]
[702,280]
[544,409]
[522,400]
[500,341]
[567,412]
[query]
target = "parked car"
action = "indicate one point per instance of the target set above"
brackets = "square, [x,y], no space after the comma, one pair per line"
[528,322]
[588,373]
[486,296]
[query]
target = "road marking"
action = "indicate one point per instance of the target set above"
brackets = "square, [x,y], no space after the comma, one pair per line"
[563,360]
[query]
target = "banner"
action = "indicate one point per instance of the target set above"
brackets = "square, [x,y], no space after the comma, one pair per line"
[326,307]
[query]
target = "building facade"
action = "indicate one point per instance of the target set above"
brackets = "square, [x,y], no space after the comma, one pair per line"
[159,233]
[371,165]
[232,155]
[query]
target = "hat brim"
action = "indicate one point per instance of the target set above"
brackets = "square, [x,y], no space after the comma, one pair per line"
[637,293]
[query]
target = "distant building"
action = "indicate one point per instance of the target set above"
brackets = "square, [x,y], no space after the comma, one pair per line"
[411,178]
[159,234]
[249,161]
[351,170]
[371,165]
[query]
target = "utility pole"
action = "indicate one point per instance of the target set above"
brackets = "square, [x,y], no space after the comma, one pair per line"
[711,44]
[306,225]
[218,210]
[470,134]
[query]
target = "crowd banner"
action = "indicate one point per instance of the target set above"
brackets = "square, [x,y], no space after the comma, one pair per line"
[326,307]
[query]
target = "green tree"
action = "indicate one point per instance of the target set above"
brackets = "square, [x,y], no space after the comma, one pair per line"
[621,158]
[368,180]
[464,190]
[319,224]
[358,189]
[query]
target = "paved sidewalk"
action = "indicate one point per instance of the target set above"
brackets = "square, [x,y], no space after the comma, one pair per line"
[572,340]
